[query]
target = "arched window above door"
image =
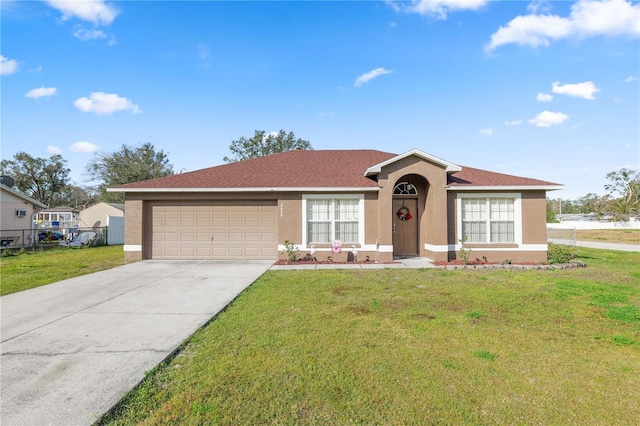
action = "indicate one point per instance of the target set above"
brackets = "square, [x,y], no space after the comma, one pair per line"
[405,188]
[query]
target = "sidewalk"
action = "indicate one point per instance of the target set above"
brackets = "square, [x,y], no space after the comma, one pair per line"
[413,262]
[596,245]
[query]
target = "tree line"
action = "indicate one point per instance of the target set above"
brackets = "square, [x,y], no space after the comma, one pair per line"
[621,201]
[47,179]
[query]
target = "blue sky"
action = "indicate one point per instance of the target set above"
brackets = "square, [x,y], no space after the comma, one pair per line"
[548,90]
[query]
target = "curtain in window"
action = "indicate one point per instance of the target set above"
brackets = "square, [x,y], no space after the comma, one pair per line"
[474,220]
[493,214]
[329,220]
[502,220]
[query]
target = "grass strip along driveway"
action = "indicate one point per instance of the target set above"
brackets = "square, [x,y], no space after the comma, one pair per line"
[620,236]
[33,269]
[411,347]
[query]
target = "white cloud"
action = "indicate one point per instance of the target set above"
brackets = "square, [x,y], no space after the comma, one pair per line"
[584,90]
[437,9]
[486,132]
[543,97]
[513,122]
[41,92]
[548,119]
[84,34]
[105,103]
[84,147]
[368,76]
[53,150]
[8,66]
[630,79]
[96,11]
[539,6]
[588,18]
[37,69]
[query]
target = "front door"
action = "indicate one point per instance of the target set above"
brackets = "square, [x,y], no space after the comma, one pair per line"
[405,227]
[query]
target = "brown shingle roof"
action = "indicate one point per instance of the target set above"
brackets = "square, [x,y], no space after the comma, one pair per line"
[470,177]
[301,169]
[313,169]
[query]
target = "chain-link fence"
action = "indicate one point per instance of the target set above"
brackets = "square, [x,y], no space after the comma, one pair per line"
[45,237]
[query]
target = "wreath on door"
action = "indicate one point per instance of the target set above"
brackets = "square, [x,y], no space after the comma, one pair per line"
[404,213]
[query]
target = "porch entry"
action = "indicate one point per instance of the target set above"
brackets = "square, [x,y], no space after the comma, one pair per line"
[405,226]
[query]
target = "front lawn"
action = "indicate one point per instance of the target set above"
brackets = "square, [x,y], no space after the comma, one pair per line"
[623,236]
[412,347]
[33,269]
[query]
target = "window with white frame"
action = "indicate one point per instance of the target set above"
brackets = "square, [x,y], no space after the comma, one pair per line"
[488,219]
[333,218]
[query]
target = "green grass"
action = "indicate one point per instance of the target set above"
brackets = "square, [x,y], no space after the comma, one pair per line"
[399,347]
[33,269]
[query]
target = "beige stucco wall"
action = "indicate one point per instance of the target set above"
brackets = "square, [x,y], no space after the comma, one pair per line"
[432,202]
[96,215]
[9,222]
[534,217]
[289,225]
[437,217]
[534,230]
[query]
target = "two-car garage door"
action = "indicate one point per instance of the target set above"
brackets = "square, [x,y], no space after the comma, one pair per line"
[214,230]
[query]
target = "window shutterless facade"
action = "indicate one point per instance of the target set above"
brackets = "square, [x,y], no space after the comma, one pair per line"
[489,218]
[332,217]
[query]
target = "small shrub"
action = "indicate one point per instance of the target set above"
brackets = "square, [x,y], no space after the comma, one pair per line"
[292,250]
[560,253]
[464,253]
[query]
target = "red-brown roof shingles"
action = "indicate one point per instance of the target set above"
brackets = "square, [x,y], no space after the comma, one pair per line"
[470,177]
[315,169]
[292,169]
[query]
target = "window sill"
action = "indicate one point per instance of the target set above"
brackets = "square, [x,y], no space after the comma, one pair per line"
[326,245]
[489,245]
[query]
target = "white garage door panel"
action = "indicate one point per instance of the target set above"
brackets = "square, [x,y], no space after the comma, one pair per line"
[238,230]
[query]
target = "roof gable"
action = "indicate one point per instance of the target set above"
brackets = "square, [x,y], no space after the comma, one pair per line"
[449,167]
[22,196]
[102,205]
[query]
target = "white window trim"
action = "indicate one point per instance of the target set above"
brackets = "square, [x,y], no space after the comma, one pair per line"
[359,197]
[517,214]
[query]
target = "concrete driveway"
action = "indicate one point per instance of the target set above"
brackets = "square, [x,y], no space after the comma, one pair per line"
[72,349]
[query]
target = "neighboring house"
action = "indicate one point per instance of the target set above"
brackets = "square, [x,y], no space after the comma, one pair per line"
[583,217]
[15,214]
[377,204]
[96,215]
[56,218]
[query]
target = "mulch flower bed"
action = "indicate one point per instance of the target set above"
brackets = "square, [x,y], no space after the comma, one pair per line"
[326,262]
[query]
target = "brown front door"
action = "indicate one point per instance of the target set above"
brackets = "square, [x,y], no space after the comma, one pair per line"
[405,228]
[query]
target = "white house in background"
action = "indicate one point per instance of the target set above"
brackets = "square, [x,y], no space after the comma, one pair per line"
[56,218]
[96,215]
[16,210]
